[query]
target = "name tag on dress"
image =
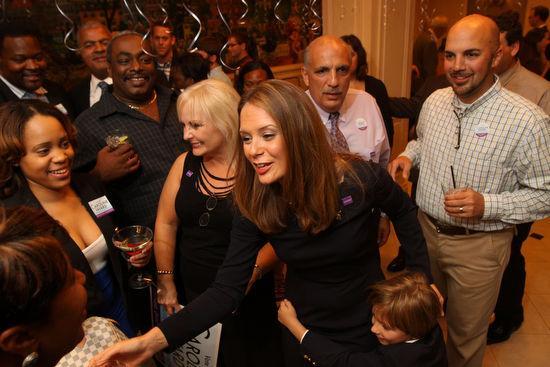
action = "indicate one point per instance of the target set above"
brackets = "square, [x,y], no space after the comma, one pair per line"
[101,206]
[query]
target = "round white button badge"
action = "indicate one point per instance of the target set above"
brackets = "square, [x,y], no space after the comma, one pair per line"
[361,123]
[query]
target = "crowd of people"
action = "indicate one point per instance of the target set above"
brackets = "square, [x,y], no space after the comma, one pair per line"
[268,202]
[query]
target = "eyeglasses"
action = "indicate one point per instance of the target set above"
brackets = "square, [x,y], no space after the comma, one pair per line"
[457,132]
[211,203]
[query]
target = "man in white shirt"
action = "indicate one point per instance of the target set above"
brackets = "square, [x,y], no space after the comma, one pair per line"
[93,38]
[326,73]
[352,118]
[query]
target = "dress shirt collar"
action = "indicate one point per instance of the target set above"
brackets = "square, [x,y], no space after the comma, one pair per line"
[322,113]
[462,108]
[94,82]
[20,92]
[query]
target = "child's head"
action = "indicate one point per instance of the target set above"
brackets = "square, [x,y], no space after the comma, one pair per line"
[403,308]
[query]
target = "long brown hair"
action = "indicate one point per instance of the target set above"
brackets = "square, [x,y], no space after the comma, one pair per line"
[309,189]
[14,116]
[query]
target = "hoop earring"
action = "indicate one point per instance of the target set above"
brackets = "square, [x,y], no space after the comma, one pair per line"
[30,360]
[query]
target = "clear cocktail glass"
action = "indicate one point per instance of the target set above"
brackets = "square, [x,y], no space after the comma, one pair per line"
[131,241]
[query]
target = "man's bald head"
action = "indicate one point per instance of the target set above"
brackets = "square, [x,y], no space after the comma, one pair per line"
[326,71]
[471,51]
[325,41]
[480,24]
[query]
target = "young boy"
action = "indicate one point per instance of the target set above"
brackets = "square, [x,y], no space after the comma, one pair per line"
[404,319]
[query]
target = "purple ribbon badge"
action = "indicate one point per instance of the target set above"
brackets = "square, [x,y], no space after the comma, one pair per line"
[347,200]
[189,173]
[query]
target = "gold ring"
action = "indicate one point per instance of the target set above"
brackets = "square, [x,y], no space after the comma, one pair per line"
[461,209]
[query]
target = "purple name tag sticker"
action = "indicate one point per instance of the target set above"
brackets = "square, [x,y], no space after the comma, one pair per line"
[189,173]
[347,200]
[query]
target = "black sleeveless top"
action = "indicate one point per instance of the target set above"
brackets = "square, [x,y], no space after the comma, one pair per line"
[200,250]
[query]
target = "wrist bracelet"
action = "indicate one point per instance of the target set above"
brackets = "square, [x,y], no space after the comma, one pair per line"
[165,272]
[259,270]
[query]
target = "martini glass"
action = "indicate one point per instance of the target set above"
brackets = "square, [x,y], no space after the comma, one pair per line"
[133,240]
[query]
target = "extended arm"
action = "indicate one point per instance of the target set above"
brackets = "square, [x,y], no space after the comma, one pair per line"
[166,227]
[391,199]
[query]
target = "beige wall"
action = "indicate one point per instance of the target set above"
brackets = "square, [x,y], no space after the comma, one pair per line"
[385,34]
[454,10]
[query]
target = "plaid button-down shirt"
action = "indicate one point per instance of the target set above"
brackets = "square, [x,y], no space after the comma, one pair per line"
[135,197]
[498,146]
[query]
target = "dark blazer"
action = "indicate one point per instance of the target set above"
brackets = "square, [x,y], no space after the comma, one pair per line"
[79,96]
[377,89]
[426,352]
[402,107]
[56,95]
[88,188]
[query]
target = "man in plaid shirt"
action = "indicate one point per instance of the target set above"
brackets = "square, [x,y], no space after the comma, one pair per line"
[484,160]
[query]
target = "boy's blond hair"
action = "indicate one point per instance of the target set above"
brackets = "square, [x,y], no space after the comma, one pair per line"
[406,302]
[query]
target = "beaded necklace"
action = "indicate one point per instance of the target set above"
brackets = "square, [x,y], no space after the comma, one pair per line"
[204,183]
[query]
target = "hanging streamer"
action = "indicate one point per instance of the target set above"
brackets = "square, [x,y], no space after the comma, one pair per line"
[163,10]
[149,29]
[276,13]
[316,24]
[226,44]
[242,18]
[68,34]
[132,16]
[192,47]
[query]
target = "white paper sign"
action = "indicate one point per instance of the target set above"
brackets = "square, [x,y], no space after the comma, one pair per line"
[201,351]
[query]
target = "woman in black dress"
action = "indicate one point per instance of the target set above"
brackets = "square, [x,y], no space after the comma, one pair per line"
[317,209]
[192,231]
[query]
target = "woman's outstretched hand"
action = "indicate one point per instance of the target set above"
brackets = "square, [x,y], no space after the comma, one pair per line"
[131,352]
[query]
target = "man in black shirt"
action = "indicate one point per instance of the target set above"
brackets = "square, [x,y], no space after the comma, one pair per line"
[145,116]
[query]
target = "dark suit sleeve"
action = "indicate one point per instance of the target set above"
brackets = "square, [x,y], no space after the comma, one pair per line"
[377,89]
[87,144]
[402,107]
[393,201]
[79,96]
[429,66]
[323,352]
[57,96]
